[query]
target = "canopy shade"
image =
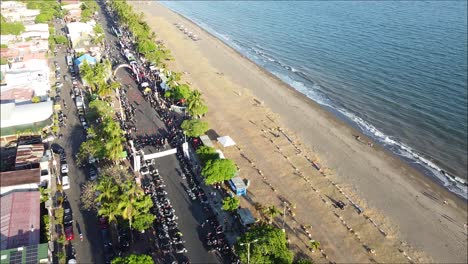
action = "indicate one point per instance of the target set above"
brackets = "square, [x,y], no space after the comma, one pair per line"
[226,141]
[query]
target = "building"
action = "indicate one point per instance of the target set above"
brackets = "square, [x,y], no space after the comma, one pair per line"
[36,31]
[20,180]
[73,12]
[17,12]
[79,30]
[26,255]
[20,219]
[19,117]
[32,73]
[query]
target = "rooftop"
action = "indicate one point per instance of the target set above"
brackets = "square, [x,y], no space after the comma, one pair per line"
[19,177]
[27,255]
[28,154]
[23,114]
[20,223]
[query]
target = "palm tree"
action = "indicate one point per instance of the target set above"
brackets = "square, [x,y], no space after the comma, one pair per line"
[196,105]
[270,212]
[314,245]
[107,188]
[110,210]
[104,90]
[173,78]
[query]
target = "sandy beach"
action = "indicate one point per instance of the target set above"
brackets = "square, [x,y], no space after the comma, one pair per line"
[279,132]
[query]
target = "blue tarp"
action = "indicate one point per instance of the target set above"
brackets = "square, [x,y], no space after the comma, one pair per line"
[90,59]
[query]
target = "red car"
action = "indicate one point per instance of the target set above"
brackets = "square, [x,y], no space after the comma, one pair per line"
[69,235]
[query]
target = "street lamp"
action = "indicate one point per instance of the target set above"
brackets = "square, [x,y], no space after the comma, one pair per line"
[248,248]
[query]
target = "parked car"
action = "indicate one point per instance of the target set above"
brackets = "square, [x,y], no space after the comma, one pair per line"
[123,239]
[69,235]
[57,149]
[67,213]
[65,78]
[65,182]
[64,168]
[59,84]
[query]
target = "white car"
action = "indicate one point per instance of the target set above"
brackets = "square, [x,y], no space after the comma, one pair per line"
[65,183]
[64,168]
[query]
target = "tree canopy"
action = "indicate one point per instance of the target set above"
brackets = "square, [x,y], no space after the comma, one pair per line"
[133,259]
[107,136]
[194,128]
[206,153]
[270,246]
[196,105]
[231,203]
[13,28]
[125,200]
[181,91]
[218,170]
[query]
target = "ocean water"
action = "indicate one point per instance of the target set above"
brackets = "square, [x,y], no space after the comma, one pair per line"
[397,70]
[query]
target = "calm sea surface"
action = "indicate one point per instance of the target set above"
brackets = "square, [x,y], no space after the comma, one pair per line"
[395,69]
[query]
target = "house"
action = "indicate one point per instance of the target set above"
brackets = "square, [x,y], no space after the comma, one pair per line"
[80,30]
[28,155]
[72,11]
[25,255]
[18,94]
[36,31]
[20,219]
[16,12]
[26,74]
[20,180]
[20,116]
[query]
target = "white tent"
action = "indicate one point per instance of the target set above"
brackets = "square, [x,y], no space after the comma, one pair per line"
[226,141]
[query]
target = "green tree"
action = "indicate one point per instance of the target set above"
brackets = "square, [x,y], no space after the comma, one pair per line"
[173,79]
[13,28]
[218,170]
[133,259]
[194,128]
[61,40]
[3,46]
[3,61]
[270,212]
[231,203]
[143,221]
[181,91]
[98,29]
[270,246]
[44,194]
[99,108]
[107,188]
[206,153]
[196,105]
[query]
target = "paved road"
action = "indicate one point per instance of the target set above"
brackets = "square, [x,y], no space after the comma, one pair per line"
[190,214]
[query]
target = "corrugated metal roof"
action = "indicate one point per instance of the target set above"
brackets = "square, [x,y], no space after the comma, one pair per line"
[20,219]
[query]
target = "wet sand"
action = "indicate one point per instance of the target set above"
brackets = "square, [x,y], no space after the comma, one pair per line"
[279,132]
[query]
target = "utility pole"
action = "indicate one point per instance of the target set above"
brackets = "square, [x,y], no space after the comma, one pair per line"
[248,248]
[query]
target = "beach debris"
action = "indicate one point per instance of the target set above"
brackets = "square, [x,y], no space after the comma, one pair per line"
[260,103]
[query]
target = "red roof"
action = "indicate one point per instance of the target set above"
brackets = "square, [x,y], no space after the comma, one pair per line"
[20,223]
[18,94]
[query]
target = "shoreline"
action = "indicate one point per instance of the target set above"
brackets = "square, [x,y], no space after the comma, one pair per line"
[424,170]
[409,186]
